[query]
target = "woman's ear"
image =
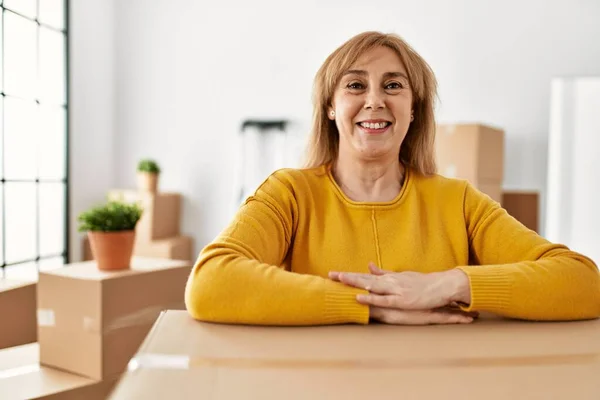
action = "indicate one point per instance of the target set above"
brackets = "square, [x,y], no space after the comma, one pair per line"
[331,113]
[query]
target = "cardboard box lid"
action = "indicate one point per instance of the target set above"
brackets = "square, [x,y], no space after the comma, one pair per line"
[139,265]
[192,359]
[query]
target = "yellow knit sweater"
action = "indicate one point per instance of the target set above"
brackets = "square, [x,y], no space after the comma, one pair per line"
[270,265]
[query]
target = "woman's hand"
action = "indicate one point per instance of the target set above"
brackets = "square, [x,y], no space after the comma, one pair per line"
[411,297]
[395,316]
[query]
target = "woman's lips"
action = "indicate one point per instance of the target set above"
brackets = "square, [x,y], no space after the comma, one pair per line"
[374,131]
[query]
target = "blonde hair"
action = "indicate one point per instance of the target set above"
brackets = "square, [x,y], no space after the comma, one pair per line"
[417,150]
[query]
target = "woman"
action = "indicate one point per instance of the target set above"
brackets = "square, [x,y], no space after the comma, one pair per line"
[302,250]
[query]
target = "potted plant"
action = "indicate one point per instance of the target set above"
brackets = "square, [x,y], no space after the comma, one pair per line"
[147,175]
[111,232]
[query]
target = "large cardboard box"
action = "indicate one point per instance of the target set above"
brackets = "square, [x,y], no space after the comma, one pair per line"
[492,359]
[175,248]
[18,324]
[161,216]
[91,322]
[22,377]
[474,152]
[524,206]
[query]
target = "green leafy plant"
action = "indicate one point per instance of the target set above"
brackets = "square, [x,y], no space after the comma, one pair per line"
[149,166]
[110,217]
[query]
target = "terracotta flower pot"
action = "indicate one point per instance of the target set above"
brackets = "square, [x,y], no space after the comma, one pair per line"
[112,250]
[147,182]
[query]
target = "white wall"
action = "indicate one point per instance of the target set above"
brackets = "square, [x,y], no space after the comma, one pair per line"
[187,73]
[574,177]
[92,108]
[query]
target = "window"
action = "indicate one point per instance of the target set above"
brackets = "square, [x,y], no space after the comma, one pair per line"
[33,137]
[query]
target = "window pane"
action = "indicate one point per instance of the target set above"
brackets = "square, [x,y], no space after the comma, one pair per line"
[52,66]
[1,53]
[1,223]
[25,7]
[52,13]
[20,221]
[2,123]
[52,217]
[19,56]
[52,143]
[20,119]
[49,264]
[24,271]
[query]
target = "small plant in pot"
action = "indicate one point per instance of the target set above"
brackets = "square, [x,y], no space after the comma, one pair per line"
[111,232]
[148,172]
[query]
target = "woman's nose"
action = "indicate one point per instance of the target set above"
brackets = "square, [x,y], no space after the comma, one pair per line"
[375,99]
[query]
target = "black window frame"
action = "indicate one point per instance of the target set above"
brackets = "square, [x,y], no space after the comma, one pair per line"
[66,180]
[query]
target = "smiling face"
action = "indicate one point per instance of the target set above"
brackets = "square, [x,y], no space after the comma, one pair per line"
[372,104]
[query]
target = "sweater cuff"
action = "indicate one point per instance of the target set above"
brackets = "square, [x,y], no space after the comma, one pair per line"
[342,307]
[491,287]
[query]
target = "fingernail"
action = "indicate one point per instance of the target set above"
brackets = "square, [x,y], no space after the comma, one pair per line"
[361,297]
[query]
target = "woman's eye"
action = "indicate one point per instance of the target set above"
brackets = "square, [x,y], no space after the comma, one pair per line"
[355,85]
[393,85]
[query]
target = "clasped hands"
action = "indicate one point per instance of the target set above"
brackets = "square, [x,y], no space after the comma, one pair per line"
[411,298]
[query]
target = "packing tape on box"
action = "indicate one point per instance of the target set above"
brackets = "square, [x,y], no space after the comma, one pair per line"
[45,317]
[146,316]
[184,362]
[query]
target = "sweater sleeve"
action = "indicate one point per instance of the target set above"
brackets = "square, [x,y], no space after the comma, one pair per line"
[519,274]
[239,278]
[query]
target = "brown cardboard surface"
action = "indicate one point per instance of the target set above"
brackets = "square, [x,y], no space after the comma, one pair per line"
[92,322]
[17,313]
[176,248]
[492,358]
[524,206]
[21,377]
[161,216]
[470,151]
[494,190]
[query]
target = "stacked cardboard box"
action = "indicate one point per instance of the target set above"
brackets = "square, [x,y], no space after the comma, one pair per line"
[91,322]
[158,233]
[524,206]
[186,359]
[17,313]
[473,152]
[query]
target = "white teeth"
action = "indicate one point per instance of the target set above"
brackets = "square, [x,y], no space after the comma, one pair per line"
[377,125]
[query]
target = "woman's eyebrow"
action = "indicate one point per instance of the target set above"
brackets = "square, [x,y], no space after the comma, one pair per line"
[356,72]
[395,75]
[387,75]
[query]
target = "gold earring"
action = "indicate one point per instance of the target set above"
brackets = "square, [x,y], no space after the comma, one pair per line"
[332,113]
